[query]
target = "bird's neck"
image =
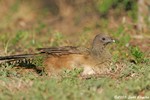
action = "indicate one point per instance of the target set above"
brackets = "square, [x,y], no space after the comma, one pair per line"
[97,50]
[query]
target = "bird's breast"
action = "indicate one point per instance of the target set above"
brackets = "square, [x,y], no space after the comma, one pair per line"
[57,63]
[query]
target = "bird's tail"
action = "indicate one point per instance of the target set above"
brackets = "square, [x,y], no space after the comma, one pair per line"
[15,57]
[34,61]
[18,59]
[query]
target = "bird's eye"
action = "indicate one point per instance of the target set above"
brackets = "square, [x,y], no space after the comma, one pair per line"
[103,38]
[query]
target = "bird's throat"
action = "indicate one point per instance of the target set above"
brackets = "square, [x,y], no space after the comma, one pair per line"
[97,51]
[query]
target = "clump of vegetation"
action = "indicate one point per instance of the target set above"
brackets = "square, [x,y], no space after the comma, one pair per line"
[104,6]
[38,61]
[137,54]
[72,73]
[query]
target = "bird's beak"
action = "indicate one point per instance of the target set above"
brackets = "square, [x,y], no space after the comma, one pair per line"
[113,41]
[110,41]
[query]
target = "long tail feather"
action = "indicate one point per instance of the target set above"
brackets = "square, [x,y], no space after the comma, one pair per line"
[21,56]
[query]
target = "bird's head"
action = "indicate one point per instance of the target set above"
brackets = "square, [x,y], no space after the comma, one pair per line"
[98,47]
[102,40]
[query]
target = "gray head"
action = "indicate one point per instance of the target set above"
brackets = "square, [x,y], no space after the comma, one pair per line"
[102,40]
[99,43]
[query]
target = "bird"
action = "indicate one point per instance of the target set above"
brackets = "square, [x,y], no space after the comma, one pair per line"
[56,59]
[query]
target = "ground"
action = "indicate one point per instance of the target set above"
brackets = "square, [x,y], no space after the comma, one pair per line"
[24,28]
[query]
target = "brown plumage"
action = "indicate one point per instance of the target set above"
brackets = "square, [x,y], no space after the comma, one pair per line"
[69,57]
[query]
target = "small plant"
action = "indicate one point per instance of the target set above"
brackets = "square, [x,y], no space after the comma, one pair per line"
[57,40]
[130,6]
[73,73]
[20,36]
[104,5]
[38,62]
[137,54]
[6,69]
[6,45]
[40,27]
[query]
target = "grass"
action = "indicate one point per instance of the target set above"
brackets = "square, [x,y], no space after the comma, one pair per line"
[130,69]
[131,80]
[134,81]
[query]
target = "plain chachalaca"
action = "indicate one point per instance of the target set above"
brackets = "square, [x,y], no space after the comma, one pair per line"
[69,57]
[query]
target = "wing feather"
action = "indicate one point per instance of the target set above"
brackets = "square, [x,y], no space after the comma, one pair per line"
[60,50]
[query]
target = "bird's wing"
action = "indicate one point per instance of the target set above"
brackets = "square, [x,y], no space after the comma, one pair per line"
[58,51]
[62,50]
